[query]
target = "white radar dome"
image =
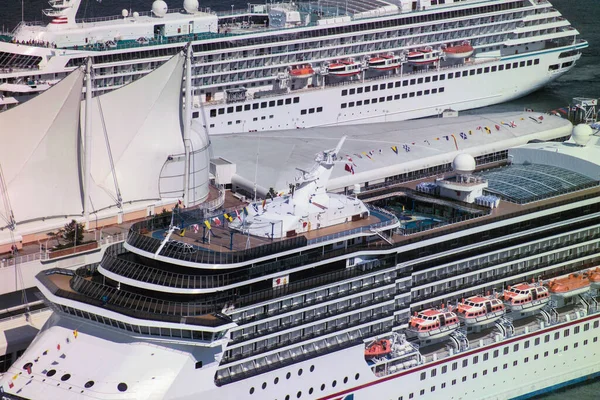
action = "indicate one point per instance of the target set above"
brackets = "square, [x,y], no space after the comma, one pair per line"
[136,14]
[463,164]
[190,6]
[124,13]
[159,8]
[581,134]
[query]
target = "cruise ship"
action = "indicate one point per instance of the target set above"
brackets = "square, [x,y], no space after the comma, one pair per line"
[467,283]
[306,64]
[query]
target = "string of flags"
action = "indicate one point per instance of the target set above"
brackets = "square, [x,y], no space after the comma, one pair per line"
[351,165]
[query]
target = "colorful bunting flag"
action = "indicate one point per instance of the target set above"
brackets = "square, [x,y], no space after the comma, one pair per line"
[75,333]
[349,168]
[463,136]
[237,214]
[216,221]
[245,210]
[264,203]
[497,127]
[195,228]
[207,224]
[395,149]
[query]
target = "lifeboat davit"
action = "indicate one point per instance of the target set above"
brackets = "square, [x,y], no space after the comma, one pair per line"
[384,62]
[378,348]
[433,323]
[568,286]
[423,57]
[593,276]
[344,68]
[479,310]
[302,71]
[526,297]
[459,51]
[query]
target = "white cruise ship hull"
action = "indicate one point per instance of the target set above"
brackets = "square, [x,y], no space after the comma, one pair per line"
[159,371]
[327,106]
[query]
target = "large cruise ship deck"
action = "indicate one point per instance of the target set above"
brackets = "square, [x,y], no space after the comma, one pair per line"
[298,65]
[312,294]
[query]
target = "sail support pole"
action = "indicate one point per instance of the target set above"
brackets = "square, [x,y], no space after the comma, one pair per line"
[187,125]
[87,144]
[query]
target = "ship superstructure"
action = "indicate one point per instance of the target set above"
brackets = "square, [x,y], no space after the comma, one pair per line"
[296,65]
[311,294]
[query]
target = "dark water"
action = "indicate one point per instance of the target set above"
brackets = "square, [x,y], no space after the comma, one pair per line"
[582,81]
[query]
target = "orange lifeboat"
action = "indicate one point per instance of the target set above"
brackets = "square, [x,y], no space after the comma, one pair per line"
[302,71]
[379,348]
[344,68]
[526,297]
[568,286]
[593,276]
[459,51]
[423,57]
[384,62]
[479,310]
[433,323]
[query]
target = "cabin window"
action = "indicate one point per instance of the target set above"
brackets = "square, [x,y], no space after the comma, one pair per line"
[288,101]
[398,84]
[505,351]
[296,100]
[352,91]
[359,90]
[556,335]
[465,363]
[420,80]
[566,333]
[444,369]
[367,89]
[475,359]
[319,109]
[280,102]
[247,107]
[423,375]
[450,75]
[382,86]
[495,353]
[433,372]
[345,92]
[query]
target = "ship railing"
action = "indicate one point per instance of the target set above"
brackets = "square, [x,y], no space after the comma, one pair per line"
[224,377]
[332,296]
[129,303]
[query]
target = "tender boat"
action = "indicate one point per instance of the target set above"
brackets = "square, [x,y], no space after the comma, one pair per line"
[345,68]
[423,57]
[526,297]
[378,348]
[433,323]
[593,276]
[459,51]
[384,62]
[479,310]
[570,285]
[302,71]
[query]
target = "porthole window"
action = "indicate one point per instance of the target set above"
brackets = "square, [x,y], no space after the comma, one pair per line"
[322,387]
[52,372]
[65,377]
[356,377]
[300,372]
[333,384]
[264,385]
[312,368]
[287,397]
[122,387]
[346,380]
[299,394]
[251,390]
[310,391]
[288,375]
[88,384]
[276,380]
[28,366]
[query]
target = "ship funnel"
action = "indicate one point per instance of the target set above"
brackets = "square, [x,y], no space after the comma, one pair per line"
[63,13]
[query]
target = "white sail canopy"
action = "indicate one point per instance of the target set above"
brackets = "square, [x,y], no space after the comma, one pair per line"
[134,131]
[39,152]
[137,134]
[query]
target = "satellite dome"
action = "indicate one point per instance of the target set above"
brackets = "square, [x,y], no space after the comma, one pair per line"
[124,13]
[190,6]
[136,14]
[159,8]
[463,164]
[581,134]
